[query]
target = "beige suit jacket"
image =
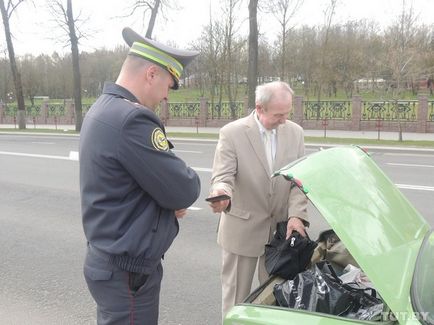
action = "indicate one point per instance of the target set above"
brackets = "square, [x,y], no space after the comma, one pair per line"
[258,202]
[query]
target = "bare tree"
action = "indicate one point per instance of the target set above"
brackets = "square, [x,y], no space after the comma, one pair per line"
[30,78]
[153,7]
[283,11]
[7,10]
[212,51]
[402,51]
[324,48]
[65,19]
[252,72]
[230,49]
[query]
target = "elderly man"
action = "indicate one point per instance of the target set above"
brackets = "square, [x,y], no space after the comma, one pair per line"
[248,150]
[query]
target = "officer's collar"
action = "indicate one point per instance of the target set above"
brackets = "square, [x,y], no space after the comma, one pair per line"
[114,89]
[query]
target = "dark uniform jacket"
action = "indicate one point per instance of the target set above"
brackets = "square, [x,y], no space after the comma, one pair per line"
[130,182]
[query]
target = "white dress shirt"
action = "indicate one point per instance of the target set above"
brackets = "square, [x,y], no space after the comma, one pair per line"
[270,142]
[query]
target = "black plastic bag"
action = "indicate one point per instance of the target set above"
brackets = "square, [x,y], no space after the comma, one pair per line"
[287,257]
[319,289]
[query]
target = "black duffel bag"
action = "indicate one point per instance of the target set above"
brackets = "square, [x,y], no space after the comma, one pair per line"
[288,257]
[319,289]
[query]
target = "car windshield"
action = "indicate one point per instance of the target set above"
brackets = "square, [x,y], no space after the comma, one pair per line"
[423,282]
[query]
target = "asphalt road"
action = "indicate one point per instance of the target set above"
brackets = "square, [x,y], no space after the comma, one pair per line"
[42,243]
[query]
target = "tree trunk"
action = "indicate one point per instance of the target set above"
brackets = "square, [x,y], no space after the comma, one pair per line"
[152,19]
[252,75]
[75,67]
[15,72]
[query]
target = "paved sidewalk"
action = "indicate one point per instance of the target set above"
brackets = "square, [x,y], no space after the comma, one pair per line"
[329,134]
[309,133]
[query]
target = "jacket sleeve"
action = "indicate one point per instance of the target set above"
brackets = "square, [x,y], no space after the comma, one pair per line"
[297,204]
[297,201]
[144,153]
[225,164]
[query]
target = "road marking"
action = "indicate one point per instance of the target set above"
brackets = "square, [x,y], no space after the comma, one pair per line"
[186,151]
[33,155]
[73,155]
[415,187]
[194,208]
[409,165]
[39,142]
[202,169]
[407,154]
[196,144]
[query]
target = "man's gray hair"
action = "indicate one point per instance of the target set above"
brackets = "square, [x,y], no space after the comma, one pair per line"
[265,92]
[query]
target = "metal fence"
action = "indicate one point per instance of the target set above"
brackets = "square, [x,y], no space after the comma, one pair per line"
[184,110]
[11,110]
[321,110]
[390,110]
[220,112]
[431,111]
[225,110]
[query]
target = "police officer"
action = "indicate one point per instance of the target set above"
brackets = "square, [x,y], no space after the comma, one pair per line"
[133,188]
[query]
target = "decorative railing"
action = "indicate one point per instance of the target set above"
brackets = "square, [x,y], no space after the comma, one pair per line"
[85,108]
[431,111]
[11,110]
[390,110]
[184,110]
[314,114]
[33,111]
[226,110]
[56,110]
[320,110]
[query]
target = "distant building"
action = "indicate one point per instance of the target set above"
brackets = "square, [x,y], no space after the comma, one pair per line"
[369,84]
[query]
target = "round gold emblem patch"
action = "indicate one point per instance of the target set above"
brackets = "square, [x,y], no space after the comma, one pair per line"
[159,140]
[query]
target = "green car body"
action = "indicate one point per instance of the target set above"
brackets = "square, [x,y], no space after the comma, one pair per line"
[390,240]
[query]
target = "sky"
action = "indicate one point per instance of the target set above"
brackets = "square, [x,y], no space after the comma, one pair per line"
[36,33]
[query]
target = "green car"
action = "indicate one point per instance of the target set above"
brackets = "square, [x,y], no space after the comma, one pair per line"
[392,243]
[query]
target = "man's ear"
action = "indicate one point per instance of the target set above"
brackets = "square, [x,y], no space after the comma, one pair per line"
[151,72]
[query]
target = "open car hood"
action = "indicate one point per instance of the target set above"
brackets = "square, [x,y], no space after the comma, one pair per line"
[374,220]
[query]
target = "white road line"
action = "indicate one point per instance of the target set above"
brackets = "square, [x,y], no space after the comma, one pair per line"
[202,169]
[187,151]
[33,155]
[407,154]
[39,142]
[194,208]
[409,165]
[196,144]
[415,187]
[73,155]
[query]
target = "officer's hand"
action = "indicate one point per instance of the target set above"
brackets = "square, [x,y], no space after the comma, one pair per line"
[296,224]
[218,206]
[180,213]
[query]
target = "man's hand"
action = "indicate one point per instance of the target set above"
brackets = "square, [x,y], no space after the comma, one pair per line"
[296,224]
[180,213]
[218,206]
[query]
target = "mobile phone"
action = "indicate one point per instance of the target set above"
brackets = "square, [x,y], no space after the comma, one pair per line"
[218,198]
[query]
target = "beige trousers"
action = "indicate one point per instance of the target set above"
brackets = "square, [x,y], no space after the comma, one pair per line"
[237,276]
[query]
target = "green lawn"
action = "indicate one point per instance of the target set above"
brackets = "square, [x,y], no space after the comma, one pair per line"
[193,95]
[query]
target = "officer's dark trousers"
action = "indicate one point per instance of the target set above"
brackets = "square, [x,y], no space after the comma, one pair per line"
[117,303]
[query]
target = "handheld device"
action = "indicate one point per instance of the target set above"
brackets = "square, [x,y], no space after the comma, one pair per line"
[218,198]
